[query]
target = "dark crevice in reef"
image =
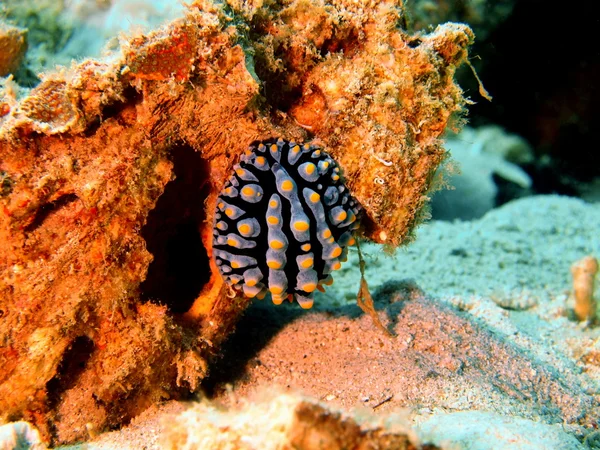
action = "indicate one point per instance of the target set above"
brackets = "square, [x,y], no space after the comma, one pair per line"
[116,110]
[45,210]
[347,42]
[276,89]
[6,184]
[72,365]
[283,89]
[180,267]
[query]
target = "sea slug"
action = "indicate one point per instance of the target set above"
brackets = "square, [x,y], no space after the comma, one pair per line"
[283,222]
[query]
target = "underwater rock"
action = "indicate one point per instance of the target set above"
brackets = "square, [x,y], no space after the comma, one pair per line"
[109,297]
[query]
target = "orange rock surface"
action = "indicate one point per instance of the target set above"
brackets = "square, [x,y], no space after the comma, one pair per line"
[109,172]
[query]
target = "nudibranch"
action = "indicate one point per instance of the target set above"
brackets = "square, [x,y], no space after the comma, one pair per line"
[283,222]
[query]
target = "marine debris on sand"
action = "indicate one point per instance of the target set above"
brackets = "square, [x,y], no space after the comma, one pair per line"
[110,169]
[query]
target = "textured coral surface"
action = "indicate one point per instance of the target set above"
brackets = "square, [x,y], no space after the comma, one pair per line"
[109,173]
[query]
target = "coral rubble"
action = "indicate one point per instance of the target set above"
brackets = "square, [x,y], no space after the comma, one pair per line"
[284,421]
[109,173]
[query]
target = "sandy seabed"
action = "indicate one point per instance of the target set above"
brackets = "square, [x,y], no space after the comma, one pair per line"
[486,352]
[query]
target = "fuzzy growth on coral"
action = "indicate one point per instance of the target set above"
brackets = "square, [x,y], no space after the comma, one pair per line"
[110,170]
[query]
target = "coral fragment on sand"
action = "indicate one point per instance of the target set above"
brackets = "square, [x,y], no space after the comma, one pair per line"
[284,420]
[584,274]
